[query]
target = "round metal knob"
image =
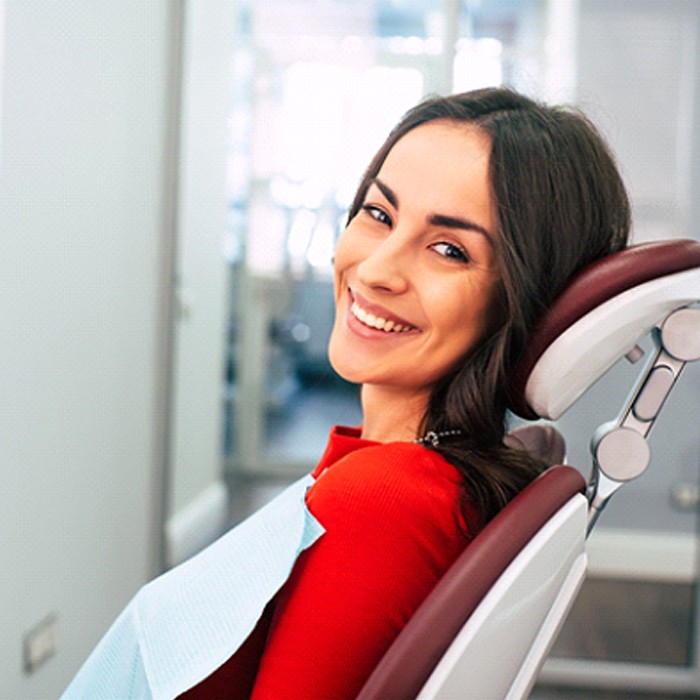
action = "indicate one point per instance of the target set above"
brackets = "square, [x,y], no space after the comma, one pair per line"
[680,334]
[623,454]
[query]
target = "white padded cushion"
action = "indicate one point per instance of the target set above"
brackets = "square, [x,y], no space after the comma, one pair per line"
[588,348]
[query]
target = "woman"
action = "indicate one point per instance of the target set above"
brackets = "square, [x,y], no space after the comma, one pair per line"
[470,219]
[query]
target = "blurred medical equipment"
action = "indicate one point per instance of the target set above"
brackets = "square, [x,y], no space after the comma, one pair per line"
[487,627]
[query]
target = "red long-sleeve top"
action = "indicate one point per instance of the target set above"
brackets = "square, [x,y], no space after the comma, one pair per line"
[393,527]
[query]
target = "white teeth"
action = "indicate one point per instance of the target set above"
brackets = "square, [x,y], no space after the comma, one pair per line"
[381,324]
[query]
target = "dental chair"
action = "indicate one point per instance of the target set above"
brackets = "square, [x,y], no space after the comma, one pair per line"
[487,627]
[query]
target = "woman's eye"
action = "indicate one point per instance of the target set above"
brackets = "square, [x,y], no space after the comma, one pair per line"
[448,250]
[377,214]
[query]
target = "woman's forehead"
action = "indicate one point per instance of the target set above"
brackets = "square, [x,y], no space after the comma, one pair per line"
[442,165]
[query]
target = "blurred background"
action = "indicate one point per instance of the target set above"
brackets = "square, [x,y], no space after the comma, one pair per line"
[174,175]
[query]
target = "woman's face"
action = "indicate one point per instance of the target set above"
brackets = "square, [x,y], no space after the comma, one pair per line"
[416,268]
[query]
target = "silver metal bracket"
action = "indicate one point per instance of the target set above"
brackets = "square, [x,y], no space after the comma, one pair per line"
[620,448]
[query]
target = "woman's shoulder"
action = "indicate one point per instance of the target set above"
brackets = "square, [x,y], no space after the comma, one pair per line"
[393,475]
[400,460]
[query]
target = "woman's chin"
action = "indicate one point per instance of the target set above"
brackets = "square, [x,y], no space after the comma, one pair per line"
[337,355]
[344,369]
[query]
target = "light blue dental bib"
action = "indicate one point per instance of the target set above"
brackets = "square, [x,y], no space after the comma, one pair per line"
[182,626]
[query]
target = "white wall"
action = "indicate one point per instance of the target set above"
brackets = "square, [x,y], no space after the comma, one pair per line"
[198,500]
[84,123]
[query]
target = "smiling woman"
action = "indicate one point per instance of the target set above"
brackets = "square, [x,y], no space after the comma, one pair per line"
[469,220]
[554,202]
[421,260]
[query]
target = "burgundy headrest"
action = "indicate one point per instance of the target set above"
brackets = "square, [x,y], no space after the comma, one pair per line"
[597,283]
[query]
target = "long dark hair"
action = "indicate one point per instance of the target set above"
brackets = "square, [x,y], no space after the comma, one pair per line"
[560,204]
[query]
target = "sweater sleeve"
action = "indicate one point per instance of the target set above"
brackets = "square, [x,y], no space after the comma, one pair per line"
[391,531]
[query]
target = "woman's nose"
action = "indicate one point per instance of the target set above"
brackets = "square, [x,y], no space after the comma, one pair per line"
[385,266]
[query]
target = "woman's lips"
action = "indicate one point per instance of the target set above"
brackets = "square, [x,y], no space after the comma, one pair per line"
[378,318]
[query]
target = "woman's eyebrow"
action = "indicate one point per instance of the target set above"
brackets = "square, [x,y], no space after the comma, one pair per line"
[435,219]
[459,223]
[387,192]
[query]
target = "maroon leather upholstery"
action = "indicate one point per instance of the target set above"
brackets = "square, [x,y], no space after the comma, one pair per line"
[416,651]
[595,284]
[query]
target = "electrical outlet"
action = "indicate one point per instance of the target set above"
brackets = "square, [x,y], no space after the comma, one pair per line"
[40,643]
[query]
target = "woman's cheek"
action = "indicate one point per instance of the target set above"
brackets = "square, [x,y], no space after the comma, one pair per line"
[346,249]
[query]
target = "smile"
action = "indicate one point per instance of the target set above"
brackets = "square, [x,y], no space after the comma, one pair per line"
[379,323]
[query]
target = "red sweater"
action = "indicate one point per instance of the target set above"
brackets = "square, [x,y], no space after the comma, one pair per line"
[392,529]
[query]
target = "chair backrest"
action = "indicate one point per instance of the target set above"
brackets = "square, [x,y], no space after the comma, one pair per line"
[405,669]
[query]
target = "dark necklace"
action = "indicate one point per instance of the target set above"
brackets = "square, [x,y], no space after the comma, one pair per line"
[433,439]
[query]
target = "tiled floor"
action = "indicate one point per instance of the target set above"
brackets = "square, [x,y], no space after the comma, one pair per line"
[627,621]
[631,621]
[590,694]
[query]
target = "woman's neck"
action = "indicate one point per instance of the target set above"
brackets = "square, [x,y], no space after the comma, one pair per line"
[390,415]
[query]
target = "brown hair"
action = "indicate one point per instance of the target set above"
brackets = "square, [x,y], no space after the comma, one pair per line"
[560,204]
